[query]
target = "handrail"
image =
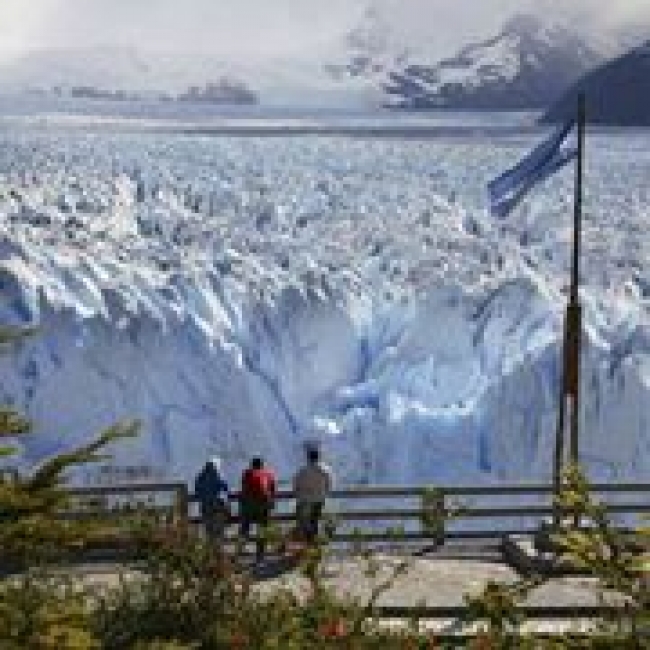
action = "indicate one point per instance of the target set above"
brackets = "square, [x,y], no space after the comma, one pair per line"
[126,488]
[440,506]
[381,491]
[377,490]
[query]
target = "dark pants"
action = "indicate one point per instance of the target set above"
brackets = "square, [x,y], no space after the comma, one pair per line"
[308,518]
[215,518]
[258,513]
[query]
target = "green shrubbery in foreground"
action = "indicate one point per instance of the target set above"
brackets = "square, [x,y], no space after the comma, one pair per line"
[188,597]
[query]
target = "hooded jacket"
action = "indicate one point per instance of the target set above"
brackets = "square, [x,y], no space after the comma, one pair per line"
[312,483]
[210,487]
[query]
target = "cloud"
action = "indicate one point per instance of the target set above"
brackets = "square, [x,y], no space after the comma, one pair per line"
[254,27]
[453,20]
[595,14]
[261,28]
[20,21]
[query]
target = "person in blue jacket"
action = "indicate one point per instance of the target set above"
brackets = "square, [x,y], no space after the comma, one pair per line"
[213,494]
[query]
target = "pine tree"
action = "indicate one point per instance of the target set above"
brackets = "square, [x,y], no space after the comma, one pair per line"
[40,609]
[32,526]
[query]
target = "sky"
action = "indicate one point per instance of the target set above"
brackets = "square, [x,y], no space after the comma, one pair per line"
[250,29]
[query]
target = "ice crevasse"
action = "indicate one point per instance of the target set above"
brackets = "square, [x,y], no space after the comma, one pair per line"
[457,386]
[351,304]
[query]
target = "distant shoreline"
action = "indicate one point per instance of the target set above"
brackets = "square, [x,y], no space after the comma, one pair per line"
[205,120]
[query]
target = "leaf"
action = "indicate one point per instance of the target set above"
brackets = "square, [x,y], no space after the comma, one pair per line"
[7,451]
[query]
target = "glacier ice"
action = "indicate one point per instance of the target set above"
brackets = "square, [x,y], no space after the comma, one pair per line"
[241,295]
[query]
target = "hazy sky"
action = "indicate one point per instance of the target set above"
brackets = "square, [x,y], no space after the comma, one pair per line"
[261,28]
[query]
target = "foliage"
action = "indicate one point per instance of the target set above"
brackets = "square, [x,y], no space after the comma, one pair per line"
[181,591]
[434,515]
[187,595]
[619,560]
[190,594]
[587,540]
[42,611]
[34,528]
[496,608]
[39,609]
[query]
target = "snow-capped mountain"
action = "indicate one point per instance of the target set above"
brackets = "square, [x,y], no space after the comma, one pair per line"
[618,92]
[526,66]
[152,74]
[368,51]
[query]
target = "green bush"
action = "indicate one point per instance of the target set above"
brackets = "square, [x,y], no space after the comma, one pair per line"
[187,596]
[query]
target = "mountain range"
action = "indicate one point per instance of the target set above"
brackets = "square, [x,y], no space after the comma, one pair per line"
[617,93]
[527,65]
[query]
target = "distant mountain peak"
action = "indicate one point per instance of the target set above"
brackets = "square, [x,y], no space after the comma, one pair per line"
[523,23]
[370,49]
[617,92]
[372,34]
[525,66]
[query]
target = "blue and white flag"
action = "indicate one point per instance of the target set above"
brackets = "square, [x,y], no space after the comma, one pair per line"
[552,154]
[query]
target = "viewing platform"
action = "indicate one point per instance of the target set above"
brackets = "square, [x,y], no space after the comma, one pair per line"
[450,537]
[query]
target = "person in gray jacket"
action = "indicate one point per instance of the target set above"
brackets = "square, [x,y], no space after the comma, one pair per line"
[311,486]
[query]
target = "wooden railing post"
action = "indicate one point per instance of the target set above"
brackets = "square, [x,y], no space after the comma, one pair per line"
[441,516]
[433,514]
[182,506]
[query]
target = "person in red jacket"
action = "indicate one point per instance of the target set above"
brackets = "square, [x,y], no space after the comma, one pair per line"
[258,489]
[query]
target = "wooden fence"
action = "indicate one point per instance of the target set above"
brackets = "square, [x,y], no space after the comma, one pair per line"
[452,510]
[388,513]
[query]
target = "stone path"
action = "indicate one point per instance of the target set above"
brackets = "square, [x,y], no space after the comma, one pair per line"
[434,582]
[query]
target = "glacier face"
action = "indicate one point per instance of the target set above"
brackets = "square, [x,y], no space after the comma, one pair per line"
[243,295]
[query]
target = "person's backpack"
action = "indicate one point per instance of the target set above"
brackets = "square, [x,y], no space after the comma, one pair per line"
[259,484]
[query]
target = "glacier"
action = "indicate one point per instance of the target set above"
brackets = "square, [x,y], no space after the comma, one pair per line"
[244,295]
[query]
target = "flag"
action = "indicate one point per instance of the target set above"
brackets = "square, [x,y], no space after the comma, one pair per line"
[549,156]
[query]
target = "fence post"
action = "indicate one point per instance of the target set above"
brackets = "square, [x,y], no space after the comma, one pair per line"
[182,505]
[441,516]
[434,514]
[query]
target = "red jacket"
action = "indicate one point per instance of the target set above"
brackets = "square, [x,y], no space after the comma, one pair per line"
[258,484]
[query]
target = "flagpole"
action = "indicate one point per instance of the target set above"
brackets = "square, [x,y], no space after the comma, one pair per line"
[576,316]
[570,380]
